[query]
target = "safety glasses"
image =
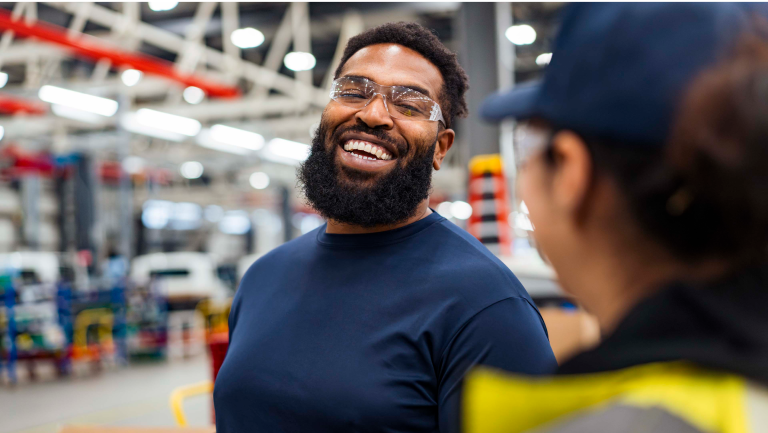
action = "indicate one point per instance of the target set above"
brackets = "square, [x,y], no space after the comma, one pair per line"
[401,102]
[529,140]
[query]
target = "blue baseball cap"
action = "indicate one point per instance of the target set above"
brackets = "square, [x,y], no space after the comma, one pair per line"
[618,70]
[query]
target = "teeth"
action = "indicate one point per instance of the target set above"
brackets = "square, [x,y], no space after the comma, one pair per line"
[378,152]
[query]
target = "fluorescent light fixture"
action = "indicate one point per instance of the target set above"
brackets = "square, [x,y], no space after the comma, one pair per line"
[444,209]
[3,79]
[247,38]
[204,139]
[131,77]
[75,114]
[259,180]
[133,164]
[544,59]
[130,123]
[81,101]
[162,5]
[214,213]
[299,61]
[461,210]
[237,137]
[288,149]
[168,122]
[156,213]
[191,169]
[186,216]
[235,222]
[521,34]
[2,132]
[193,95]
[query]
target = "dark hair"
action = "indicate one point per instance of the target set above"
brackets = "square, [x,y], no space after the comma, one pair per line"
[705,194]
[426,43]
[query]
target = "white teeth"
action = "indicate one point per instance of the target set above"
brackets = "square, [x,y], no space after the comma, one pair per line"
[377,152]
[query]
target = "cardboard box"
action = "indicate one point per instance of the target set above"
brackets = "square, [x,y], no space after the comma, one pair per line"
[570,331]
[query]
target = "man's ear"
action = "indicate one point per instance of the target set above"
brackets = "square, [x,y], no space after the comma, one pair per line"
[444,142]
[572,172]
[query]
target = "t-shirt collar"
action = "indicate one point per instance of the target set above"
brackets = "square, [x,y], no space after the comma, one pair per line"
[378,238]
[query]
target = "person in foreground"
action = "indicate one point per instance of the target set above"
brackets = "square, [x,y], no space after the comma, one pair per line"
[644,167]
[370,322]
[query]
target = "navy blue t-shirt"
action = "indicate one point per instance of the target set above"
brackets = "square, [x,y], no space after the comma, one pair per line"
[372,332]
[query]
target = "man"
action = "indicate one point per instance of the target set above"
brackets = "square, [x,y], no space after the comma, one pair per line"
[369,323]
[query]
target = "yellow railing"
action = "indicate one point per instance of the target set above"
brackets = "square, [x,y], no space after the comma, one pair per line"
[184,392]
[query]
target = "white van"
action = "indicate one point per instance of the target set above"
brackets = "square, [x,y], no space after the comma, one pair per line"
[182,274]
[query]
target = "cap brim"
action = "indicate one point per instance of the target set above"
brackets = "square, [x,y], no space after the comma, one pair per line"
[517,103]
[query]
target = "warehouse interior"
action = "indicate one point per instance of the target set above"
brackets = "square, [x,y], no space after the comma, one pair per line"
[148,156]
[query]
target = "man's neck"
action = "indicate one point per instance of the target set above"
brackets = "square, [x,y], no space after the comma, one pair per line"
[335,227]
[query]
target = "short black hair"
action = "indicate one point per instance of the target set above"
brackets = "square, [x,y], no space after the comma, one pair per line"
[425,42]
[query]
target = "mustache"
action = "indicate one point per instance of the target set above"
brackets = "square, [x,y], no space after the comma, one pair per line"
[400,145]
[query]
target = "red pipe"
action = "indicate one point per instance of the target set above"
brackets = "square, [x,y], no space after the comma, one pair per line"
[12,105]
[87,47]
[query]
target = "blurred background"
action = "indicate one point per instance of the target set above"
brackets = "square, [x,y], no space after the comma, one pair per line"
[147,158]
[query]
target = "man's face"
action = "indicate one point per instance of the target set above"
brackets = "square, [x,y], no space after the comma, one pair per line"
[384,190]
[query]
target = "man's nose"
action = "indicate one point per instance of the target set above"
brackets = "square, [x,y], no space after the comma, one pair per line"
[375,114]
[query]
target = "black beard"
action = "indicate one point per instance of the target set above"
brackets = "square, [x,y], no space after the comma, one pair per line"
[392,199]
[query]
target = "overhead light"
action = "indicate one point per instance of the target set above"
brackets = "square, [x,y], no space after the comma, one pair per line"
[168,122]
[130,123]
[162,6]
[247,38]
[214,213]
[191,170]
[259,180]
[521,34]
[76,114]
[156,213]
[235,222]
[81,101]
[288,149]
[193,95]
[2,132]
[133,164]
[461,210]
[444,209]
[544,59]
[299,61]
[131,77]
[3,79]
[204,139]
[186,216]
[237,137]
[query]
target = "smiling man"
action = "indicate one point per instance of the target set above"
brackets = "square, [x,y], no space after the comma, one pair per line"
[370,322]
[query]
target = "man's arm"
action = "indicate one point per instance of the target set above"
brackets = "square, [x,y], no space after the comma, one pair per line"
[508,335]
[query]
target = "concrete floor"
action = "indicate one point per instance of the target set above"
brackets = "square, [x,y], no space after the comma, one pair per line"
[132,396]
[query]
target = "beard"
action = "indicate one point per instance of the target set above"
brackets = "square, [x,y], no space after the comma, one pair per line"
[361,199]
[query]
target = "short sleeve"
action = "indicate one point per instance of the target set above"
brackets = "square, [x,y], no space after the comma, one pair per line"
[509,335]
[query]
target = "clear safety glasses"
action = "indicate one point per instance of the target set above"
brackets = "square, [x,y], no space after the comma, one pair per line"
[401,102]
[529,141]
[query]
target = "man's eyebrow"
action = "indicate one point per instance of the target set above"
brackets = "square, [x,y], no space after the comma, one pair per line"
[407,86]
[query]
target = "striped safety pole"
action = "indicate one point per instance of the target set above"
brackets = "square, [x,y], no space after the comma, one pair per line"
[490,204]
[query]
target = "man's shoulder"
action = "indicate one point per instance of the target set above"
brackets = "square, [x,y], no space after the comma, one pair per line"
[289,253]
[467,265]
